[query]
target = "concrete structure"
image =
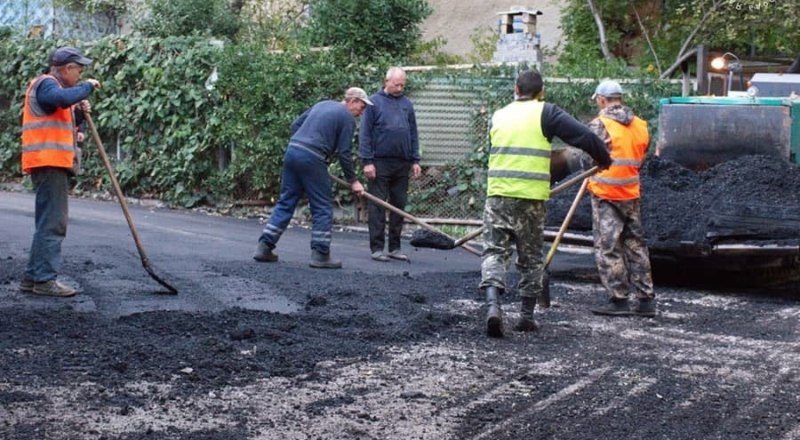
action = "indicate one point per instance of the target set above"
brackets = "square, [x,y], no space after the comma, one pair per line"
[518,40]
[458,21]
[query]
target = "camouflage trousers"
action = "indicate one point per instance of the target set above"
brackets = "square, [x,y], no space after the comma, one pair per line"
[509,221]
[619,248]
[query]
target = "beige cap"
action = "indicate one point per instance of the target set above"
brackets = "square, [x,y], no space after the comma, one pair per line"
[358,93]
[608,89]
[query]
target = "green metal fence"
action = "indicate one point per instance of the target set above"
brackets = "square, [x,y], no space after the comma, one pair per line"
[453,117]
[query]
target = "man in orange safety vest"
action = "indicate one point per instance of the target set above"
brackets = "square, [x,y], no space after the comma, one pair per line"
[620,251]
[48,153]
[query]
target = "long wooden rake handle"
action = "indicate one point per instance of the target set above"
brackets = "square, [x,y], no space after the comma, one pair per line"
[555,190]
[124,204]
[565,223]
[406,215]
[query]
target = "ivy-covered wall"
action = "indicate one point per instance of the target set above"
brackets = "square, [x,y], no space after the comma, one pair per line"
[180,140]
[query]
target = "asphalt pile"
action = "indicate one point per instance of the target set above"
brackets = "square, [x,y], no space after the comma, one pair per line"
[753,199]
[429,239]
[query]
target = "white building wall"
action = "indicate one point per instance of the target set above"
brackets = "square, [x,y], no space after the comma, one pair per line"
[457,20]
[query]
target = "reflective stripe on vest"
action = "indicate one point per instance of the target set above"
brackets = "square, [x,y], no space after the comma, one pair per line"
[47,140]
[628,147]
[519,160]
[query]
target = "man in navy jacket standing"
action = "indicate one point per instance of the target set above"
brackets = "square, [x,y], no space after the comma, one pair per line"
[389,150]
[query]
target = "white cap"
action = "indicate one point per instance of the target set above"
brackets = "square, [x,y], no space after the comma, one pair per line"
[358,93]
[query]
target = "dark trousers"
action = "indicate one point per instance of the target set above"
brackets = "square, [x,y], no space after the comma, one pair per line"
[303,174]
[391,185]
[51,212]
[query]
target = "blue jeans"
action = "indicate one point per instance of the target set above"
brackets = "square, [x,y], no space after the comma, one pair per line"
[303,174]
[52,193]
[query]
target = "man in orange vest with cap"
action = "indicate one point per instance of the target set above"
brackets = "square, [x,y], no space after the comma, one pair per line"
[48,153]
[620,251]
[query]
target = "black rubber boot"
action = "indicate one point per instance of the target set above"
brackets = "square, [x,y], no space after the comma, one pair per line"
[264,253]
[323,261]
[494,317]
[614,307]
[526,322]
[646,307]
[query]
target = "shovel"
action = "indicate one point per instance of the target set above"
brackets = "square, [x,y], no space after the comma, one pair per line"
[124,205]
[544,298]
[408,216]
[436,240]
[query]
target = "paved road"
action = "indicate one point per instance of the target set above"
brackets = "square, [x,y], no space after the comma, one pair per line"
[100,257]
[180,246]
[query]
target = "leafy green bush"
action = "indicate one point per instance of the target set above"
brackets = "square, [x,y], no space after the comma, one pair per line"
[176,137]
[21,63]
[264,92]
[368,29]
[189,17]
[154,105]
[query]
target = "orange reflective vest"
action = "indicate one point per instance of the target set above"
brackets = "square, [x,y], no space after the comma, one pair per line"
[628,148]
[47,140]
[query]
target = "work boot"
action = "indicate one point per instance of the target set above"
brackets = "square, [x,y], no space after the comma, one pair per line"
[26,285]
[646,307]
[53,288]
[379,256]
[323,261]
[397,255]
[494,317]
[264,253]
[526,322]
[614,307]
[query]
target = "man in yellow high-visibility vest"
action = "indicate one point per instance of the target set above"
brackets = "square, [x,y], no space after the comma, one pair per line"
[518,186]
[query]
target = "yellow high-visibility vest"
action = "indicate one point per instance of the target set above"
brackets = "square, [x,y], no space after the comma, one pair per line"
[519,159]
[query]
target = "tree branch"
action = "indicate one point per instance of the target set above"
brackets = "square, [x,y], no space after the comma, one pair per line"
[647,37]
[601,30]
[685,57]
[700,24]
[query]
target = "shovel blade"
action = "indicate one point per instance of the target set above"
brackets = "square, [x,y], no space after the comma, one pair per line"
[170,289]
[543,300]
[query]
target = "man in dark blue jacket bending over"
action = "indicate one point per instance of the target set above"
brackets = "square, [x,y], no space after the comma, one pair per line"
[324,131]
[389,150]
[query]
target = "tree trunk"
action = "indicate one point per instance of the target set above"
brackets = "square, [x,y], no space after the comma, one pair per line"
[601,30]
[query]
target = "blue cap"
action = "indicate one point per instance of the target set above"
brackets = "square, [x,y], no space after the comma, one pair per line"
[66,55]
[608,89]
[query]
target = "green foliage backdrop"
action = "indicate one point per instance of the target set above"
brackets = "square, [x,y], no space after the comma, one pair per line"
[190,145]
[263,93]
[171,130]
[368,28]
[749,28]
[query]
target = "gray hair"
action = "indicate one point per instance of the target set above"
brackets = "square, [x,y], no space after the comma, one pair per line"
[394,71]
